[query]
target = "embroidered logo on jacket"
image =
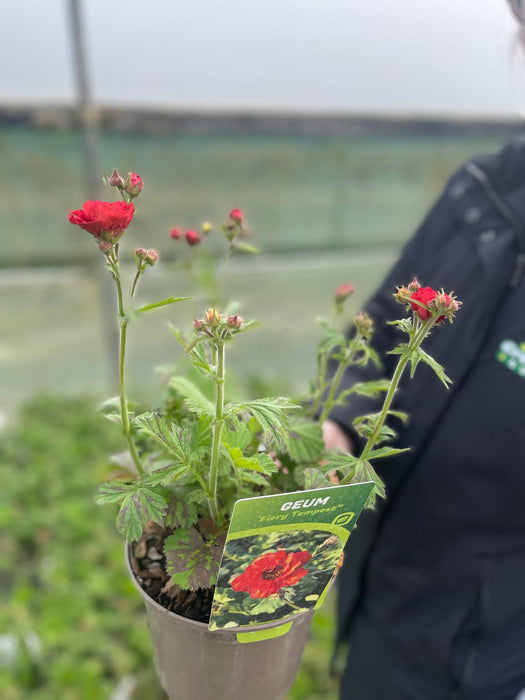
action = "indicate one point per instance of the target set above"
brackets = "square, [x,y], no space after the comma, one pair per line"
[512,355]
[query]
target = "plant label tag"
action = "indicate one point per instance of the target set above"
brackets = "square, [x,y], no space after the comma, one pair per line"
[282,552]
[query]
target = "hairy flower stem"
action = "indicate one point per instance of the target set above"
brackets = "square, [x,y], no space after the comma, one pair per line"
[321,386]
[123,326]
[335,383]
[218,424]
[416,339]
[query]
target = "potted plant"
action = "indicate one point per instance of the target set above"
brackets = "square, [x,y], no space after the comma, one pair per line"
[199,452]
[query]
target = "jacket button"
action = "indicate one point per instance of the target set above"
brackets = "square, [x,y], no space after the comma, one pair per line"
[472,215]
[458,190]
[487,236]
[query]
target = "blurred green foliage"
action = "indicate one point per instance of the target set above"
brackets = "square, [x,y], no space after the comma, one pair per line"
[74,627]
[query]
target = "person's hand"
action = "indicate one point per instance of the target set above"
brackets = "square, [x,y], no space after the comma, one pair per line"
[334,436]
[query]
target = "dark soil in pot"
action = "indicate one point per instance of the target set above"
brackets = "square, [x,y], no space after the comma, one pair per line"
[149,566]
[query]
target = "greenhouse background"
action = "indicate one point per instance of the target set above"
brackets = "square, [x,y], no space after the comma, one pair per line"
[334,130]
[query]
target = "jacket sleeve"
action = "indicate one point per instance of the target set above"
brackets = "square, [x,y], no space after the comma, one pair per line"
[415,260]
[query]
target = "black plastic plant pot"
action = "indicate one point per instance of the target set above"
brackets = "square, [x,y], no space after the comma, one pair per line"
[196,664]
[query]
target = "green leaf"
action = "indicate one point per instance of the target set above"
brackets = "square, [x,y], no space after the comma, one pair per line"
[192,562]
[173,438]
[158,304]
[405,324]
[182,512]
[251,477]
[245,247]
[315,479]
[260,463]
[113,491]
[372,388]
[382,452]
[114,417]
[199,359]
[305,441]
[136,510]
[194,398]
[166,475]
[422,356]
[270,413]
[237,434]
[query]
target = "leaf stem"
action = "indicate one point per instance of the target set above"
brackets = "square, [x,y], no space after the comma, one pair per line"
[418,335]
[337,380]
[219,353]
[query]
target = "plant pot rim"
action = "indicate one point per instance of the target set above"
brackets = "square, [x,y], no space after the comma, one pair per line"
[202,625]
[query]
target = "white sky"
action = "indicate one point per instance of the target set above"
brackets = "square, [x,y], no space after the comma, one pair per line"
[454,57]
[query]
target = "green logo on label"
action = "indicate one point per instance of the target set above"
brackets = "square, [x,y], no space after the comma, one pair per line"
[512,355]
[343,518]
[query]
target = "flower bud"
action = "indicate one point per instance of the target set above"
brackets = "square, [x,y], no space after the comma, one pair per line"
[115,179]
[104,246]
[175,233]
[444,304]
[363,323]
[403,295]
[207,226]
[213,318]
[236,215]
[343,292]
[192,237]
[414,285]
[140,254]
[133,185]
[198,324]
[152,257]
[235,322]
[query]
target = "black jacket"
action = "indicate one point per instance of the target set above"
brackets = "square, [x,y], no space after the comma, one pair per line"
[453,526]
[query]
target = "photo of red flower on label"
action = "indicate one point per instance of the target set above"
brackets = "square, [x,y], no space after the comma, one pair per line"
[270,572]
[272,575]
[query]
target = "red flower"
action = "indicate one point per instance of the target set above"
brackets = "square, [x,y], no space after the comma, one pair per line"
[236,215]
[105,220]
[270,572]
[192,237]
[426,295]
[175,233]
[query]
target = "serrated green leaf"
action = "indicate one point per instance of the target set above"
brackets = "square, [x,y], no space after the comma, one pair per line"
[237,434]
[113,491]
[173,438]
[166,475]
[252,477]
[137,510]
[270,413]
[262,463]
[438,369]
[192,562]
[305,441]
[158,304]
[199,359]
[182,512]
[405,324]
[315,479]
[382,452]
[194,398]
